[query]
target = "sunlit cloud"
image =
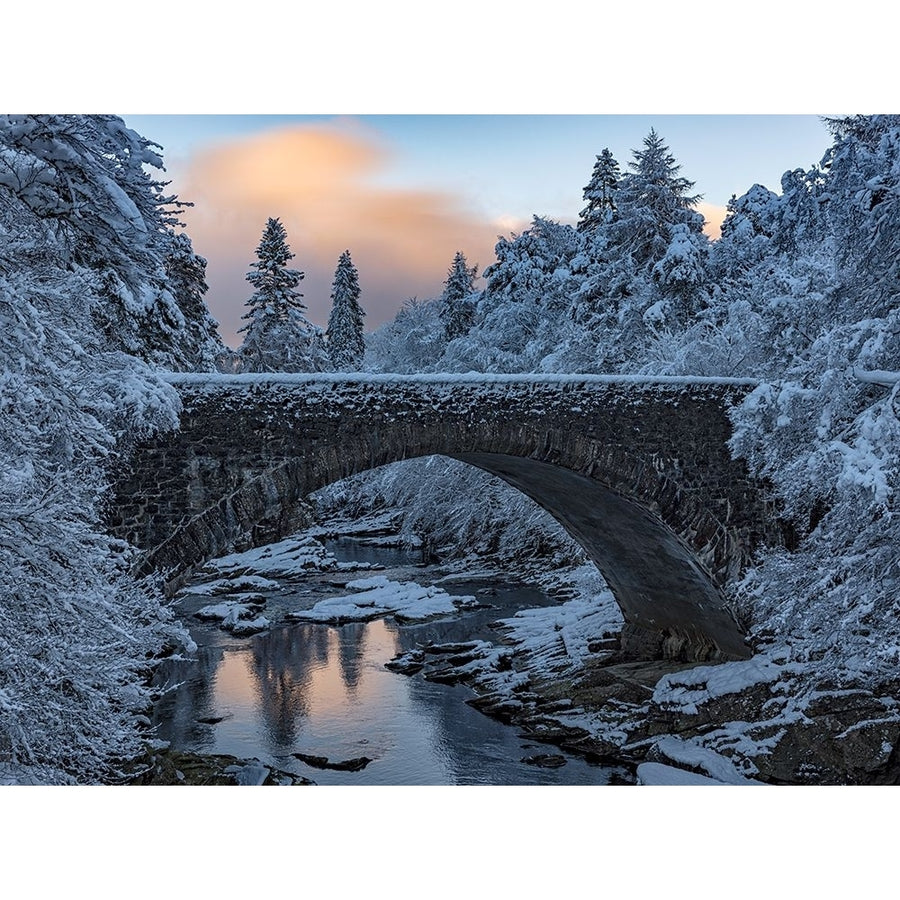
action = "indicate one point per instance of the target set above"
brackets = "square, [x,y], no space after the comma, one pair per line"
[320,181]
[327,184]
[714,216]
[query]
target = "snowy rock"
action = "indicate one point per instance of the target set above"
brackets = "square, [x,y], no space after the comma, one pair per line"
[407,663]
[290,557]
[661,775]
[378,597]
[234,617]
[688,754]
[243,628]
[242,583]
[227,612]
[251,774]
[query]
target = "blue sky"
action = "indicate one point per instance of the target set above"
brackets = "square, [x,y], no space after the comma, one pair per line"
[404,192]
[539,164]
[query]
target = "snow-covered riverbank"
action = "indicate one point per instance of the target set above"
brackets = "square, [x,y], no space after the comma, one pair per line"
[555,672]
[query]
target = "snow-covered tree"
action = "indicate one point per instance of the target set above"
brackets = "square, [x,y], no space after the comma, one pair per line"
[346,345]
[278,336]
[86,182]
[526,301]
[649,270]
[651,199]
[822,426]
[747,232]
[600,193]
[457,303]
[186,272]
[412,342]
[77,632]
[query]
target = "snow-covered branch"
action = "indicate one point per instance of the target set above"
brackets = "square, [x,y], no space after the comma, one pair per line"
[877,376]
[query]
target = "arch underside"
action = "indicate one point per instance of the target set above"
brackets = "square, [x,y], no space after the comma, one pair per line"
[656,580]
[671,605]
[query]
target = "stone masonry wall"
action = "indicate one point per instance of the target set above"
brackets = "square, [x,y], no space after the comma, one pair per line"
[652,455]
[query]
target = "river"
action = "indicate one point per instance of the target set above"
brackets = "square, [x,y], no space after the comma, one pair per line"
[323,691]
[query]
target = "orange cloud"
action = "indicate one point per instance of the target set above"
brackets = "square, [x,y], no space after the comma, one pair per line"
[318,179]
[714,216]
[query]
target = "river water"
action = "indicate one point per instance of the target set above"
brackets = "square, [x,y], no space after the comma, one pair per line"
[323,691]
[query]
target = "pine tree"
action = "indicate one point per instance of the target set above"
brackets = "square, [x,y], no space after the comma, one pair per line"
[657,242]
[279,338]
[186,273]
[600,193]
[344,334]
[651,199]
[457,310]
[273,280]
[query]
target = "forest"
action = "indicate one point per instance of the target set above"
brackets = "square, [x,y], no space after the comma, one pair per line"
[102,293]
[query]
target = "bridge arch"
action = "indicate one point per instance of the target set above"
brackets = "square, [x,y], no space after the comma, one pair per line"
[639,474]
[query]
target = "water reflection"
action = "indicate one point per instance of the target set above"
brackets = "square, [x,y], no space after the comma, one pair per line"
[282,664]
[322,690]
[352,646]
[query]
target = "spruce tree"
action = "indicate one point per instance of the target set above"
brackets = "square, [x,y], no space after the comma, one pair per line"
[651,199]
[600,193]
[279,338]
[186,272]
[457,310]
[344,334]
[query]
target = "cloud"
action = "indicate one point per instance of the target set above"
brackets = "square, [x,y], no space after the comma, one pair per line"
[714,216]
[320,181]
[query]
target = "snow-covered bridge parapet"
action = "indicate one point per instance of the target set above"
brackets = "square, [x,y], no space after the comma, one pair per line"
[637,470]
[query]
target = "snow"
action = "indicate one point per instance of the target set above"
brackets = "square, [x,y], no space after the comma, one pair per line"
[687,690]
[249,774]
[659,775]
[290,557]
[243,627]
[571,627]
[232,585]
[234,616]
[273,379]
[378,597]
[367,584]
[691,754]
[877,376]
[228,612]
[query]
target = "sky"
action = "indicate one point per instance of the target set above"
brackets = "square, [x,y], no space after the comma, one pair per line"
[403,193]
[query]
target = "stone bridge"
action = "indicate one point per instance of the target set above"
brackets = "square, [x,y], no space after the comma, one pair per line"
[637,471]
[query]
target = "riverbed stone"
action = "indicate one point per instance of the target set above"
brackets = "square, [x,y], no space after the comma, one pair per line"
[545,760]
[173,767]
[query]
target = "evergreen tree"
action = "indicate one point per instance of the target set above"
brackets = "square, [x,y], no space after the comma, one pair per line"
[656,249]
[186,272]
[279,338]
[344,334]
[457,307]
[651,199]
[600,193]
